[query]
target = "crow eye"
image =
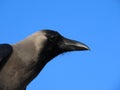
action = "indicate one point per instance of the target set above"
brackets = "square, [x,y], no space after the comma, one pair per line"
[52,38]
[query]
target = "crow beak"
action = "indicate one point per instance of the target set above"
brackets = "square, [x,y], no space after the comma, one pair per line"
[72,45]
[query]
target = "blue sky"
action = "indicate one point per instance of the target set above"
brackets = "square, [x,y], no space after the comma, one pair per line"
[94,22]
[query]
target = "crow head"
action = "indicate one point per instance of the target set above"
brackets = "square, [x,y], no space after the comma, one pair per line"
[46,44]
[56,44]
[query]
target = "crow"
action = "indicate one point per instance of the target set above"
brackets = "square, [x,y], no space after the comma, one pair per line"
[20,63]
